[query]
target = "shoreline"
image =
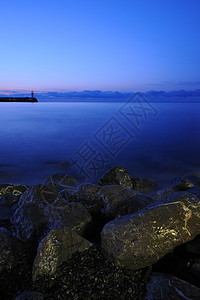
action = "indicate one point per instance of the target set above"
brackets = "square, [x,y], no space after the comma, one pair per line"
[81,218]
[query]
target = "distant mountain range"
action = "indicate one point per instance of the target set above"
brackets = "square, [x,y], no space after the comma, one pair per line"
[97,95]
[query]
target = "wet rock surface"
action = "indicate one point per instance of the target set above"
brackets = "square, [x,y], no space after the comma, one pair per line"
[57,247]
[117,176]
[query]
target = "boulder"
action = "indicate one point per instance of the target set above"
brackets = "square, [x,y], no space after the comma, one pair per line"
[86,196]
[183,185]
[194,178]
[117,176]
[160,194]
[143,185]
[30,213]
[56,248]
[139,240]
[41,209]
[164,286]
[30,295]
[10,194]
[195,190]
[10,250]
[73,215]
[118,200]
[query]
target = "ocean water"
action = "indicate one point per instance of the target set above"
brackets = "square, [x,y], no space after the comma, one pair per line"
[151,140]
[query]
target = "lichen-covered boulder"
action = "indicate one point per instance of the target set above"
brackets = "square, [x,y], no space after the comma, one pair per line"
[143,185]
[57,247]
[10,250]
[41,209]
[86,195]
[30,213]
[118,200]
[164,286]
[117,176]
[138,240]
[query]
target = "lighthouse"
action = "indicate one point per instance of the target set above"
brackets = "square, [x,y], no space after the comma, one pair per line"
[32,93]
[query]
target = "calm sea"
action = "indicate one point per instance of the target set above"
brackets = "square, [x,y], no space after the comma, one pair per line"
[152,140]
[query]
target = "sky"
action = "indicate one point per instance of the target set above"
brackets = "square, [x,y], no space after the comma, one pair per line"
[116,45]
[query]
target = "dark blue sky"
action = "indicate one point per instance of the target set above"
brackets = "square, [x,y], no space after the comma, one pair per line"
[129,45]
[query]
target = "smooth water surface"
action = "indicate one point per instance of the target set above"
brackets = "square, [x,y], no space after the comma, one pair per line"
[44,138]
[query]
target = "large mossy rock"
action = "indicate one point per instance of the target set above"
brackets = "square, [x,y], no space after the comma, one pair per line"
[138,240]
[40,209]
[117,176]
[10,250]
[164,286]
[58,246]
[118,200]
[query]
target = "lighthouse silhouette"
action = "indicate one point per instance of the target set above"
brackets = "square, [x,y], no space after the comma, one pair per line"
[32,93]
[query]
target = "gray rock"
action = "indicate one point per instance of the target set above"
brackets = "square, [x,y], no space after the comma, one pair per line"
[117,176]
[56,248]
[119,200]
[138,240]
[164,286]
[143,185]
[30,295]
[10,250]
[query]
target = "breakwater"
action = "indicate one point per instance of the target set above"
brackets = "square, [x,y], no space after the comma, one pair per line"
[18,99]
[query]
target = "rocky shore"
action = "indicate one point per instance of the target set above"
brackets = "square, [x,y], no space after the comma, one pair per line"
[123,238]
